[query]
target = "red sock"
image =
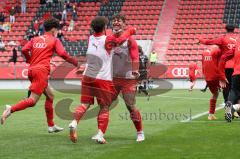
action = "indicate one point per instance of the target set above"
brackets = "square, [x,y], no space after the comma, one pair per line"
[49,111]
[103,118]
[79,112]
[29,102]
[212,106]
[137,119]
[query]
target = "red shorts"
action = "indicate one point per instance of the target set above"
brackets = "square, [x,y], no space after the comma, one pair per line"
[38,79]
[192,78]
[125,85]
[103,90]
[128,88]
[213,86]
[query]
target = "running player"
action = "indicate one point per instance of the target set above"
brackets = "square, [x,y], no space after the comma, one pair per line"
[210,59]
[42,49]
[234,94]
[193,68]
[97,79]
[225,43]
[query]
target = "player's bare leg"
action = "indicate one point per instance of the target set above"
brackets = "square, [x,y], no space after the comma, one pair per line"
[212,106]
[78,114]
[28,102]
[135,115]
[50,111]
[192,84]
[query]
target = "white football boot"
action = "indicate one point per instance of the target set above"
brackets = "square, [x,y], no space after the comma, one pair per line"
[6,113]
[140,136]
[54,129]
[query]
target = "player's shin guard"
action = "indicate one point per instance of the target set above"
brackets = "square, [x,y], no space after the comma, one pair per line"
[79,112]
[212,106]
[49,111]
[137,119]
[29,102]
[103,118]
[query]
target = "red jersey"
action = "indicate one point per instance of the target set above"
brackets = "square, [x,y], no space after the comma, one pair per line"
[225,43]
[42,49]
[210,59]
[192,68]
[127,52]
[235,54]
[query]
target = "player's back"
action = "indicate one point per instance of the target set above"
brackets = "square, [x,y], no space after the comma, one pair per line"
[210,63]
[228,42]
[99,61]
[42,50]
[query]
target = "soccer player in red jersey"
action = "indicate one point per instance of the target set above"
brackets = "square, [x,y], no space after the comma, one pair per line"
[192,74]
[42,49]
[234,95]
[210,59]
[225,43]
[126,73]
[97,78]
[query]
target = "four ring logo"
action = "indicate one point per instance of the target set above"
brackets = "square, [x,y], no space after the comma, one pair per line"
[180,72]
[25,73]
[39,45]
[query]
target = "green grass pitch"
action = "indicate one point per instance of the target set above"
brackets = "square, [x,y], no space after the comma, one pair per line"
[25,136]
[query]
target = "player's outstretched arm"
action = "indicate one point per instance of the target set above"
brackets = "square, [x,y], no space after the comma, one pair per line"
[26,49]
[216,41]
[60,50]
[125,35]
[112,41]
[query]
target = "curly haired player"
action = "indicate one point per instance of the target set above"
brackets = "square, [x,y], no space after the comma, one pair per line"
[42,49]
[97,78]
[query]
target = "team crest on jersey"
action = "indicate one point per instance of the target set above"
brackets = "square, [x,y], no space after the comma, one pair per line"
[117,50]
[124,45]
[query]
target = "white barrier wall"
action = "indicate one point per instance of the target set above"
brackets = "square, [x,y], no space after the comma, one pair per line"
[24,84]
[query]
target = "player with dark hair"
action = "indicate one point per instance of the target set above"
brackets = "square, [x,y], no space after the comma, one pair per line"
[126,72]
[42,49]
[232,104]
[210,59]
[97,78]
[225,43]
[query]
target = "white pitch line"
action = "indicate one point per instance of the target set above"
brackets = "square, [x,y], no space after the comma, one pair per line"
[200,115]
[164,96]
[212,121]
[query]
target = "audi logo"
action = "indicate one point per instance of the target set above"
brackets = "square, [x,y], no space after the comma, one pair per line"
[25,73]
[39,45]
[180,72]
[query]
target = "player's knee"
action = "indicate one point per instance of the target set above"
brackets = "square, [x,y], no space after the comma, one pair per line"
[131,108]
[32,102]
[104,108]
[51,97]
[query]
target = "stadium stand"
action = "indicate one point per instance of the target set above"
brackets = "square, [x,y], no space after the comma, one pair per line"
[232,12]
[18,29]
[144,15]
[201,18]
[194,19]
